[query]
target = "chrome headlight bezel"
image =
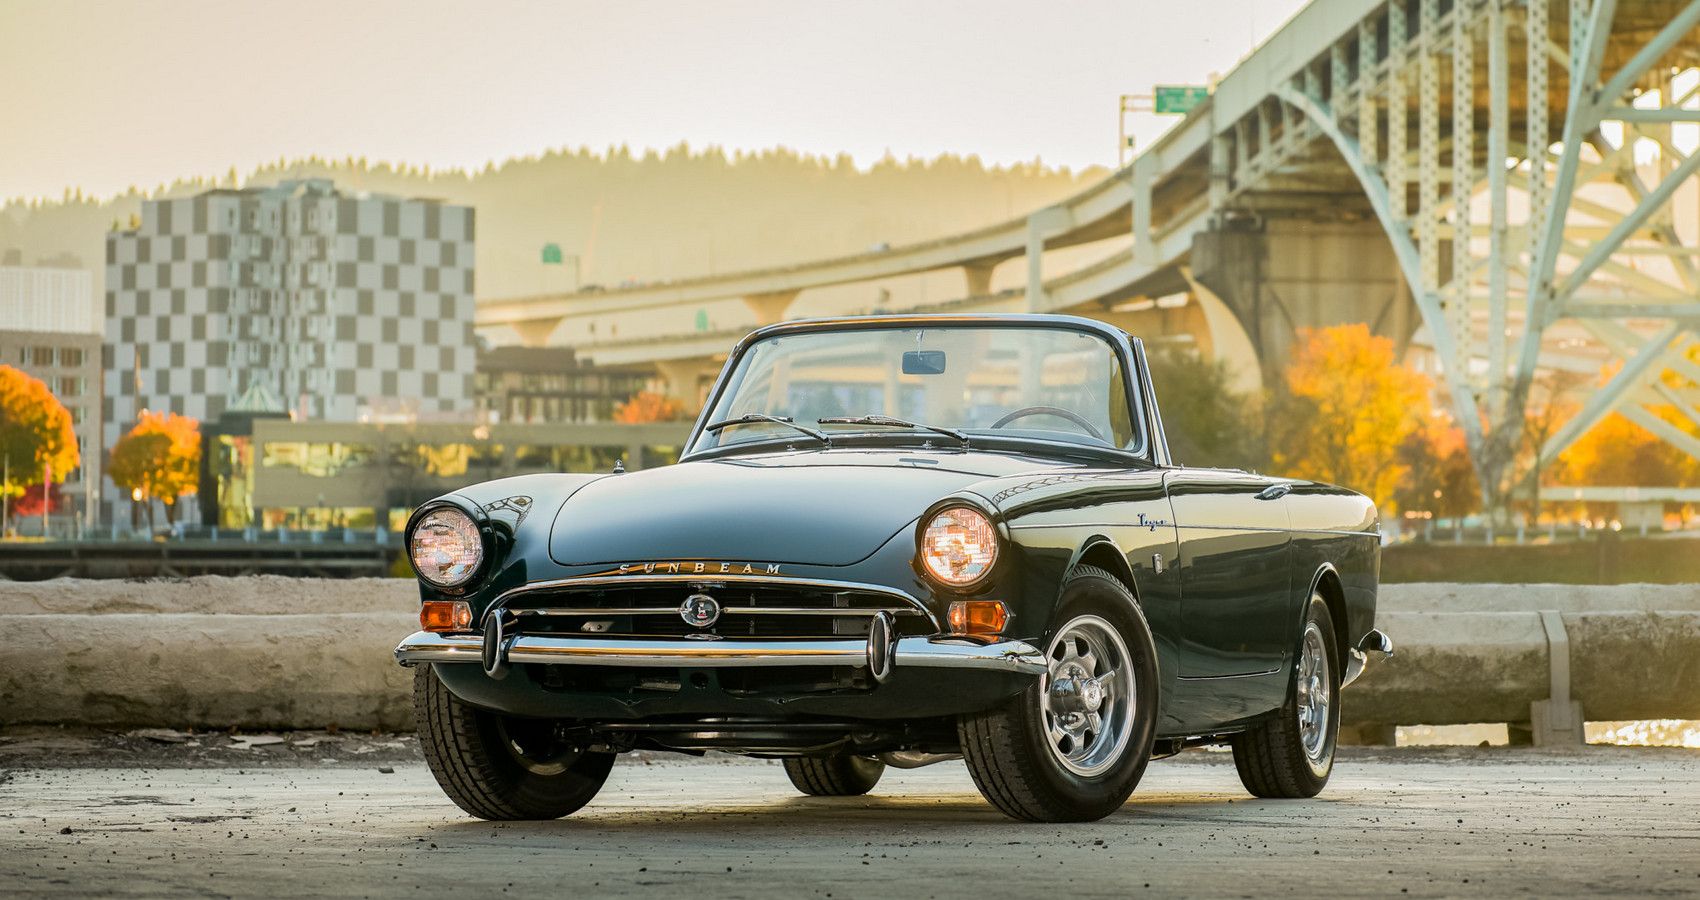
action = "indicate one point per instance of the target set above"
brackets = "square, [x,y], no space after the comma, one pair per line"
[977,519]
[475,536]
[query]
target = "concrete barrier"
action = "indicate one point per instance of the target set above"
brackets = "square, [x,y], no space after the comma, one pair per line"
[274,652]
[209,652]
[1473,653]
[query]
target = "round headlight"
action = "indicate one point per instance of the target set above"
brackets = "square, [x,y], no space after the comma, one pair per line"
[446,547]
[959,546]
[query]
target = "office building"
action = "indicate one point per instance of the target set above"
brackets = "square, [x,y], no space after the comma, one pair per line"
[548,385]
[330,305]
[48,329]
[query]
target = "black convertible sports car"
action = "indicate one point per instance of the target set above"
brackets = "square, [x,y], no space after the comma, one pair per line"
[893,541]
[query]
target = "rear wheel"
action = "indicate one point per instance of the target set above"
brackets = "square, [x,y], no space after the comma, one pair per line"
[842,775]
[501,767]
[1072,747]
[1292,755]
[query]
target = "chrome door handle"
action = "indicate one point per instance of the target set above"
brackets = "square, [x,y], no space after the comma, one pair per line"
[1274,492]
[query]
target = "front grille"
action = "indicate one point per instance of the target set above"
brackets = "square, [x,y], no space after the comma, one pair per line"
[747,611]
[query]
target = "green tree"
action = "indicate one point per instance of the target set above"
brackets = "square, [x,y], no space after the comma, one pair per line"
[1207,423]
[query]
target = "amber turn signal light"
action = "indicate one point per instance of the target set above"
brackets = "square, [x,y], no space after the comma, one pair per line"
[978,616]
[445,615]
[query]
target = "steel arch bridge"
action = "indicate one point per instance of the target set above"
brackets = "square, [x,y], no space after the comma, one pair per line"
[1530,164]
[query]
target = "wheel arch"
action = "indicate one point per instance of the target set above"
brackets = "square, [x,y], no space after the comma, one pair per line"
[1326,582]
[1102,552]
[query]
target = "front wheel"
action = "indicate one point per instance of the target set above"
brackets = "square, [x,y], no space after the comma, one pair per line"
[501,767]
[1292,755]
[1072,747]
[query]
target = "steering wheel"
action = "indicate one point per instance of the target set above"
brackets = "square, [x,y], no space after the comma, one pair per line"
[1057,411]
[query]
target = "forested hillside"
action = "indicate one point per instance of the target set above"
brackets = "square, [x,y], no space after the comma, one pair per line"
[624,215]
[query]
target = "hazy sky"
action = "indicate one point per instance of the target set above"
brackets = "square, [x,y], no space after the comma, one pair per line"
[103,95]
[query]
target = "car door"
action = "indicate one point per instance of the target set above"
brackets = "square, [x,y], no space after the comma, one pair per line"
[1235,579]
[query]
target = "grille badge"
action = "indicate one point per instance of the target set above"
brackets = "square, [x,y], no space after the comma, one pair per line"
[700,610]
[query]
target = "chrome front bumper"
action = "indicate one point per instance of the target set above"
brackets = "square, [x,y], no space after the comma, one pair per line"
[920,652]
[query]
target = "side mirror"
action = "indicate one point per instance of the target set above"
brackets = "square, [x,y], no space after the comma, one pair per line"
[923,362]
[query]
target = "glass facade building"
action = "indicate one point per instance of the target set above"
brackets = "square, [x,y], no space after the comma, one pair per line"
[329,475]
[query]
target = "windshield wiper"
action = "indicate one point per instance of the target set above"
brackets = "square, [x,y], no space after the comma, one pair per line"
[753,418]
[891,422]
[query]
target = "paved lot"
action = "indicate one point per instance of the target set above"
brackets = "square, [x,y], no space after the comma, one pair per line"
[291,820]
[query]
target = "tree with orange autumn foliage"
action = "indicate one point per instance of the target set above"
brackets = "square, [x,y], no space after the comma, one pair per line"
[36,440]
[1619,452]
[648,406]
[160,458]
[1345,409]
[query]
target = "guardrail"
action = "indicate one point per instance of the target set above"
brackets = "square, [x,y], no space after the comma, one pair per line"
[335,554]
[305,653]
[1606,557]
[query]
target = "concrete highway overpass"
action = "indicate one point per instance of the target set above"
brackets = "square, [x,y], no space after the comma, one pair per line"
[1509,183]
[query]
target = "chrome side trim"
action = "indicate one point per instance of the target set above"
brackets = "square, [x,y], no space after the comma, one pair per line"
[1010,656]
[1343,532]
[1235,675]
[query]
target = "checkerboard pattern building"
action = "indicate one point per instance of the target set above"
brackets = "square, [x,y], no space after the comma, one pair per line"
[335,306]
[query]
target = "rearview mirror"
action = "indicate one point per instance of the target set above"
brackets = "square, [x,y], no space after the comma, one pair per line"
[923,362]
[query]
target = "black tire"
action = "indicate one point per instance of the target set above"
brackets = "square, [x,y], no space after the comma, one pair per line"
[1009,751]
[842,775]
[501,767]
[1272,758]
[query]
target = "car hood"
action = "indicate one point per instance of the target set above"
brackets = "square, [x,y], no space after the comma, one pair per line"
[832,508]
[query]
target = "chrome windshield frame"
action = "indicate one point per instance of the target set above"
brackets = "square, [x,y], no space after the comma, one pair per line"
[1149,445]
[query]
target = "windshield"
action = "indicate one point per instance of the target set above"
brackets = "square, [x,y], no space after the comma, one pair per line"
[1046,383]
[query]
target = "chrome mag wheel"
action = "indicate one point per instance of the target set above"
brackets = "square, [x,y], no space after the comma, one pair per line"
[1088,697]
[1313,690]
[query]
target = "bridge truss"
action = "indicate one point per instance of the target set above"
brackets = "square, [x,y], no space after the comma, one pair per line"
[1525,161]
[1532,163]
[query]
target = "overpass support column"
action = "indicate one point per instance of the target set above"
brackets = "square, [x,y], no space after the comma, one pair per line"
[1143,251]
[1220,172]
[1035,265]
[770,308]
[1040,225]
[682,380]
[979,278]
[1290,275]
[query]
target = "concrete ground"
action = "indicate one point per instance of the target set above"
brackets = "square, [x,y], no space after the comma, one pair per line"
[347,816]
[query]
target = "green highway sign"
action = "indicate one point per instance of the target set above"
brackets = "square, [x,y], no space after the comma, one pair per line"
[1178,98]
